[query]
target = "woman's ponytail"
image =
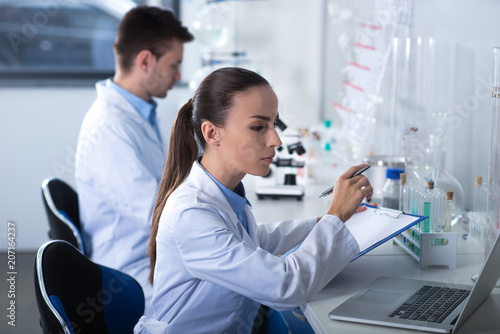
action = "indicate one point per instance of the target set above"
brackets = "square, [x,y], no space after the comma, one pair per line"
[213,101]
[182,152]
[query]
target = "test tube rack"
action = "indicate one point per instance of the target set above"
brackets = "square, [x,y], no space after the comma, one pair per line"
[429,249]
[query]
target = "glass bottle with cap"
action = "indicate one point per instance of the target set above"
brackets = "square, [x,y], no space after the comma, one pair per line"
[390,191]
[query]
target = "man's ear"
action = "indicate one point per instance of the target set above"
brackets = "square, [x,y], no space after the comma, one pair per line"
[210,133]
[144,60]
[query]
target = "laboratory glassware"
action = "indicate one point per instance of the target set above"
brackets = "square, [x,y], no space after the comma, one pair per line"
[427,201]
[494,163]
[448,211]
[478,223]
[213,25]
[390,191]
[493,205]
[377,174]
[403,194]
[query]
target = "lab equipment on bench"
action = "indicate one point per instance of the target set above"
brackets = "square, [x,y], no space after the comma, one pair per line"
[282,179]
[430,242]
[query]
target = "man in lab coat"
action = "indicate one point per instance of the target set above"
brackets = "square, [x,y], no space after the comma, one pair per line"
[120,154]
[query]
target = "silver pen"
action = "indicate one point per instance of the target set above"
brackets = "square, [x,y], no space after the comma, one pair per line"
[330,190]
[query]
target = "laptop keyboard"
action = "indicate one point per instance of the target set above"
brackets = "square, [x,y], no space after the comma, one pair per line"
[431,303]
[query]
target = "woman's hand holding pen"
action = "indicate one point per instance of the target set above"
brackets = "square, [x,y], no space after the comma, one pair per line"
[349,192]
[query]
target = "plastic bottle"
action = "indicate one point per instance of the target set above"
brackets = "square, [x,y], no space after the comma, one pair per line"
[390,191]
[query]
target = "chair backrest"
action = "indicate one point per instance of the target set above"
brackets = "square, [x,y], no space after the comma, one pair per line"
[74,294]
[61,206]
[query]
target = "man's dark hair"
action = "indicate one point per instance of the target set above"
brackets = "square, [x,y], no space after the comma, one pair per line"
[147,28]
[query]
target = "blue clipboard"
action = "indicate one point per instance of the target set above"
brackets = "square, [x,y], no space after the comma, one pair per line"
[376,225]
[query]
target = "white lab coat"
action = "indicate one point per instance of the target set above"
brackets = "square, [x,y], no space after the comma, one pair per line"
[119,163]
[211,275]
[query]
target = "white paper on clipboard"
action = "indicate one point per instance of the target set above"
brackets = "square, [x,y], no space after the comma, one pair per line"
[376,225]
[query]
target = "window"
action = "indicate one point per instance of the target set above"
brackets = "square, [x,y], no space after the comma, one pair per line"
[59,39]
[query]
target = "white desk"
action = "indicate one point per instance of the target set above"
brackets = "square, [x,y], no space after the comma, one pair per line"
[387,259]
[365,269]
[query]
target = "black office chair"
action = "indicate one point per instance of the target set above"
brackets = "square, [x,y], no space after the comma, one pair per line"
[61,205]
[75,295]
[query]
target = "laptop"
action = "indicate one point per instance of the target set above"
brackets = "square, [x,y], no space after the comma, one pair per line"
[416,304]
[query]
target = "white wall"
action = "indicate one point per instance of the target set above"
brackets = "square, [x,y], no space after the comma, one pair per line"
[38,131]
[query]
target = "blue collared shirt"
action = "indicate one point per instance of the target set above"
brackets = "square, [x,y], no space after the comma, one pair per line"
[236,198]
[146,109]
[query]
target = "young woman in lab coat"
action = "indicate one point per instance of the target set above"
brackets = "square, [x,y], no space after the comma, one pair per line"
[211,264]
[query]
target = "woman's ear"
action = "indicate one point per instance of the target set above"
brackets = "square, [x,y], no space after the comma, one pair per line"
[210,133]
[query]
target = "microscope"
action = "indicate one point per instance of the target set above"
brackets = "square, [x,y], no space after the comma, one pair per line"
[281,181]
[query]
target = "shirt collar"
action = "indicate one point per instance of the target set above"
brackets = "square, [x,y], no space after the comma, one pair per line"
[236,198]
[146,109]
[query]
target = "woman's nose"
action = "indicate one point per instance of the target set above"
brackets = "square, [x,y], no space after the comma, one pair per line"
[275,140]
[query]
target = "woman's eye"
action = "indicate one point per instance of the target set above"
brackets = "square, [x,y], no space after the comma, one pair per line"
[257,128]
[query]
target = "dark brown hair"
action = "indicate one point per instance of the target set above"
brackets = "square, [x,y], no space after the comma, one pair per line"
[147,28]
[212,102]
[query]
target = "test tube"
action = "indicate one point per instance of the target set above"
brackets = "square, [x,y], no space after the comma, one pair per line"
[421,207]
[414,203]
[448,211]
[427,205]
[412,199]
[438,210]
[477,205]
[478,227]
[403,193]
